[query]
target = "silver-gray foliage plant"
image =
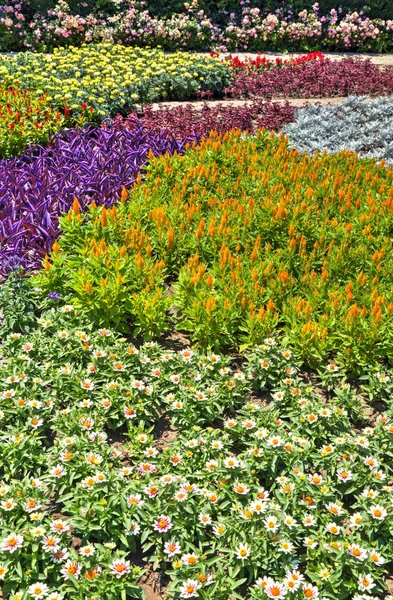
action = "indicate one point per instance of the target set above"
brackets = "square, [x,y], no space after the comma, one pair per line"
[358,124]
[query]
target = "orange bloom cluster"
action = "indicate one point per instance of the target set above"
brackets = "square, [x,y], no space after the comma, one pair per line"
[255,237]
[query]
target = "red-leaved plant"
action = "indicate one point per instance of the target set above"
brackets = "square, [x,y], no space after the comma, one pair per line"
[313,79]
[189,120]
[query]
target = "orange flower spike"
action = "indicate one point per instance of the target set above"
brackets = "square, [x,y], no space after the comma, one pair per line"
[171,238]
[292,243]
[76,207]
[47,264]
[123,251]
[199,231]
[56,248]
[123,195]
[88,287]
[270,305]
[104,217]
[210,304]
[93,205]
[139,261]
[353,311]
[209,281]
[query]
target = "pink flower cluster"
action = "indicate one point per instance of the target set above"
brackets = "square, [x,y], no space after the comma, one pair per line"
[194,30]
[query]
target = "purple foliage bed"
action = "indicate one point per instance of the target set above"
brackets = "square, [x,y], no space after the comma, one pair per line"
[39,185]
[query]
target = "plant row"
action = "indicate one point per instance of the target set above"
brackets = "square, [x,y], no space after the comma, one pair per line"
[112,78]
[317,77]
[28,117]
[39,186]
[26,120]
[269,488]
[193,29]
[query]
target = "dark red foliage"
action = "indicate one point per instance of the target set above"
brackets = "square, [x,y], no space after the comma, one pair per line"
[314,79]
[188,120]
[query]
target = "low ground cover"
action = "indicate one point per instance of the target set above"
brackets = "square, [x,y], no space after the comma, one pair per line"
[112,78]
[303,248]
[269,488]
[359,124]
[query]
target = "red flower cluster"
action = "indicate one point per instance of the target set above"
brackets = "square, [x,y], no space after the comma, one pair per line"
[26,119]
[263,63]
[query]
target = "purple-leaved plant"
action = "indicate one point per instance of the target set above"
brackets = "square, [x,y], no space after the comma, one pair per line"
[41,184]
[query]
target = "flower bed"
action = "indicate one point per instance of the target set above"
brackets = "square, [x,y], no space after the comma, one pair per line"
[187,121]
[26,120]
[112,78]
[263,63]
[286,497]
[357,124]
[40,185]
[193,29]
[313,79]
[247,253]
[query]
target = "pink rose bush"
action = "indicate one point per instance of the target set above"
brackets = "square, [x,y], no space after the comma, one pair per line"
[193,29]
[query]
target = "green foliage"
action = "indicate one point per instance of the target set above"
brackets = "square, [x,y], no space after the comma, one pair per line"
[220,9]
[17,306]
[382,9]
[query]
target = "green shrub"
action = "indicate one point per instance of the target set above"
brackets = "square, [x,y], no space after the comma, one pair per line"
[220,9]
